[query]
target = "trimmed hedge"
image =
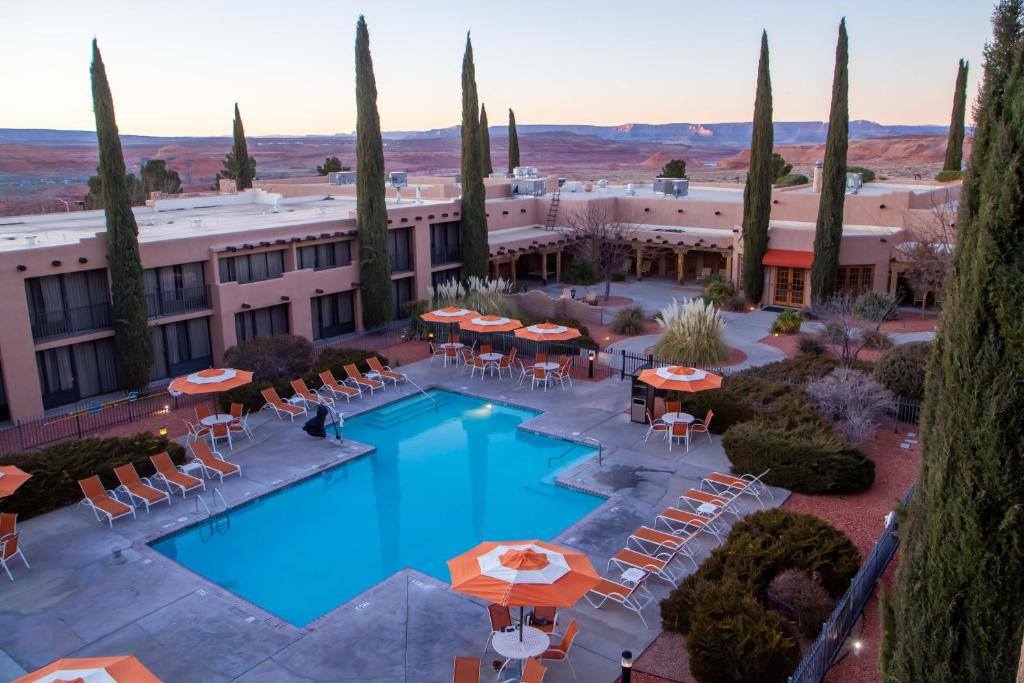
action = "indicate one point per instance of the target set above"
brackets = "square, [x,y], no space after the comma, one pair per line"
[803,456]
[333,359]
[902,369]
[735,639]
[283,355]
[56,469]
[760,547]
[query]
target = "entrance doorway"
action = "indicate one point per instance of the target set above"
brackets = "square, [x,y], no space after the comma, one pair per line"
[789,286]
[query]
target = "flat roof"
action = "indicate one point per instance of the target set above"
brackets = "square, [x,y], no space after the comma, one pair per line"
[646,190]
[876,189]
[848,229]
[177,218]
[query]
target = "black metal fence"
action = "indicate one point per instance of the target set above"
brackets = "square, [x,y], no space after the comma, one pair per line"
[905,412]
[633,362]
[847,611]
[371,340]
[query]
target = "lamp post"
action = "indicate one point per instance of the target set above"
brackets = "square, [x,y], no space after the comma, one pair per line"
[590,364]
[627,666]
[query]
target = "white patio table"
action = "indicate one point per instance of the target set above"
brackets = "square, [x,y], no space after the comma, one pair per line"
[508,645]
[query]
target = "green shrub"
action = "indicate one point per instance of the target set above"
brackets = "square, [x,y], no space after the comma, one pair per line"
[581,271]
[876,339]
[729,407]
[760,547]
[875,306]
[735,303]
[787,322]
[618,276]
[733,638]
[810,343]
[947,176]
[902,368]
[791,179]
[282,356]
[717,290]
[799,370]
[335,360]
[867,174]
[803,455]
[56,469]
[800,597]
[629,321]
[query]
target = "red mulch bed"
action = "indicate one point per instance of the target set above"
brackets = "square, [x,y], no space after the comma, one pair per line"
[912,322]
[613,301]
[787,344]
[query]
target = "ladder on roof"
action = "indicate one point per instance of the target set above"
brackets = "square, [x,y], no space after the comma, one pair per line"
[549,223]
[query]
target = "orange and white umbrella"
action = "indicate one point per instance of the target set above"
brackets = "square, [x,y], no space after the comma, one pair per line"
[124,669]
[548,332]
[10,479]
[680,378]
[490,323]
[210,381]
[451,314]
[523,573]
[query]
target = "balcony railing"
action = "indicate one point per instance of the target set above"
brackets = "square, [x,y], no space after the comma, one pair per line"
[177,301]
[69,321]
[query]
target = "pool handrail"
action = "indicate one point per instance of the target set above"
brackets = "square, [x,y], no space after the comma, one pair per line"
[433,400]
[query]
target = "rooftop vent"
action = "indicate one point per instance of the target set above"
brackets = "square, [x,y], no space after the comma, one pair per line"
[671,187]
[854,182]
[524,172]
[529,187]
[341,178]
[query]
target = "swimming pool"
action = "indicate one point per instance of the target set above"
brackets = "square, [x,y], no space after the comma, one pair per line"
[439,483]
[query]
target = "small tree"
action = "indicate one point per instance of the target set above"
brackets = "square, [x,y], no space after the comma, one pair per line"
[238,165]
[779,166]
[676,168]
[94,196]
[853,400]
[156,177]
[513,142]
[928,251]
[602,240]
[848,330]
[331,165]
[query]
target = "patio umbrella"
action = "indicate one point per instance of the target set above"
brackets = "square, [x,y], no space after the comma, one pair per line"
[123,669]
[10,479]
[680,378]
[548,332]
[519,573]
[490,323]
[210,381]
[451,314]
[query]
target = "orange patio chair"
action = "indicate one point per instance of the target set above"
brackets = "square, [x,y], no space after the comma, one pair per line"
[279,407]
[544,618]
[467,670]
[485,348]
[560,652]
[357,377]
[453,339]
[140,488]
[655,426]
[213,462]
[680,430]
[8,523]
[703,425]
[540,376]
[385,371]
[451,356]
[308,396]
[505,364]
[102,501]
[337,388]
[174,476]
[673,406]
[501,618]
[541,358]
[533,671]
[10,547]
[196,430]
[203,411]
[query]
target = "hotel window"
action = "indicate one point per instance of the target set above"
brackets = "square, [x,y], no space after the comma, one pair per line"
[855,280]
[60,305]
[332,315]
[265,265]
[440,277]
[789,286]
[329,255]
[171,290]
[261,322]
[180,348]
[70,373]
[400,248]
[445,245]
[401,294]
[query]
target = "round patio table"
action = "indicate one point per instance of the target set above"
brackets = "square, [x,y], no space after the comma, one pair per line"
[508,645]
[216,419]
[490,357]
[672,418]
[547,367]
[452,345]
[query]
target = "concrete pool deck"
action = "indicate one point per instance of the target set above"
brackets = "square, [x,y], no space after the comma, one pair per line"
[78,600]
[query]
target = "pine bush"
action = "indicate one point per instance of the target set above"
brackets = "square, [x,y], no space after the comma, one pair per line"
[902,369]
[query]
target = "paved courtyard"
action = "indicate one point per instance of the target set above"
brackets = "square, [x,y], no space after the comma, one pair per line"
[79,599]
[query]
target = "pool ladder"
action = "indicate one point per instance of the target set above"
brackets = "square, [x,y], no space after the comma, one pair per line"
[421,390]
[584,440]
[217,525]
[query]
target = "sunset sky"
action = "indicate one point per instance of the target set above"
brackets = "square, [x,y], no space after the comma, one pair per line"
[176,68]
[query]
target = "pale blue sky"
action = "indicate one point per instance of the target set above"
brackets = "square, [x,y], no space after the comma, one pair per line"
[176,68]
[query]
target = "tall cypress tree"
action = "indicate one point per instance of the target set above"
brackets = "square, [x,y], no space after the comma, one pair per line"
[955,612]
[757,195]
[133,345]
[829,228]
[485,144]
[371,210]
[513,141]
[955,141]
[475,252]
[240,151]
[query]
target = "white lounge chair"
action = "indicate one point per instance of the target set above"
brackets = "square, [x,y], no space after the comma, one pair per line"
[631,593]
[727,484]
[103,502]
[279,407]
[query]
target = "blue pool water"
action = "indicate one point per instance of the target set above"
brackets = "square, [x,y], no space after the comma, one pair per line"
[439,483]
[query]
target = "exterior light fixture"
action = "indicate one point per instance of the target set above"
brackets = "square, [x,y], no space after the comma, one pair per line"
[22,269]
[55,263]
[82,259]
[163,430]
[627,666]
[858,645]
[590,364]
[167,408]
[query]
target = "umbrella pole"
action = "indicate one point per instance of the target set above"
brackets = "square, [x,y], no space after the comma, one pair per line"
[521,624]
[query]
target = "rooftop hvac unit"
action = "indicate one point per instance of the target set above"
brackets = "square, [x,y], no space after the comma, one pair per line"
[529,187]
[342,178]
[854,181]
[602,184]
[672,187]
[398,179]
[500,176]
[574,186]
[525,171]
